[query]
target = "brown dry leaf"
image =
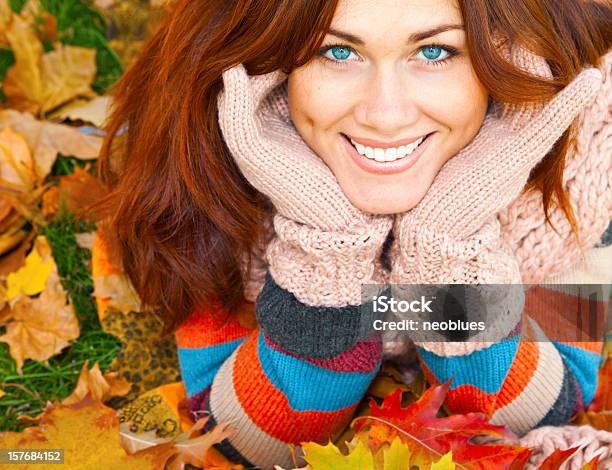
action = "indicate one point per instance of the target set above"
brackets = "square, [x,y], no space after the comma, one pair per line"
[190,448]
[78,190]
[67,73]
[88,432]
[23,84]
[86,239]
[43,326]
[47,139]
[92,111]
[101,387]
[120,292]
[17,169]
[12,261]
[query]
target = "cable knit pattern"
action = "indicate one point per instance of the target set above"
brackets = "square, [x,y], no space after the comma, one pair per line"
[540,251]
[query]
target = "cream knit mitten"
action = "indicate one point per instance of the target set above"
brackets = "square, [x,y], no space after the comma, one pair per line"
[453,234]
[325,247]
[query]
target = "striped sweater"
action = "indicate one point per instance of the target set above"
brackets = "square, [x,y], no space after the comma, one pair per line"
[284,372]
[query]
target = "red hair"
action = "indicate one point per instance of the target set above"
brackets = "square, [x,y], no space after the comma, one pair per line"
[180,217]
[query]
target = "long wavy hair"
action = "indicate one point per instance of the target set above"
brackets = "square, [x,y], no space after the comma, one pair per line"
[180,217]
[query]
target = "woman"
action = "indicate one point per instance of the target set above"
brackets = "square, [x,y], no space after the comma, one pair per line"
[370,141]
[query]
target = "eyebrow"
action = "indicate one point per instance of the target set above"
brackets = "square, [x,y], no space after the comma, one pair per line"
[414,37]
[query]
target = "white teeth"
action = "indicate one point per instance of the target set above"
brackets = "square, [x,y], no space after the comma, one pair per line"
[387,155]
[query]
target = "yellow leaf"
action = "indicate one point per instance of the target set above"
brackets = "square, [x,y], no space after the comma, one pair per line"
[23,84]
[397,456]
[2,393]
[445,463]
[31,278]
[88,432]
[329,457]
[67,72]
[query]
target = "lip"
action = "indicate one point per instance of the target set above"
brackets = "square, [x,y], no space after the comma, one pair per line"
[385,168]
[384,145]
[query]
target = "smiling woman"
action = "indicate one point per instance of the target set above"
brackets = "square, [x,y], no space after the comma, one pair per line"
[279,155]
[401,85]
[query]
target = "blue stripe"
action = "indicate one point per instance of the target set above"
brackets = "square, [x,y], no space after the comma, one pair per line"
[486,369]
[309,387]
[200,365]
[584,365]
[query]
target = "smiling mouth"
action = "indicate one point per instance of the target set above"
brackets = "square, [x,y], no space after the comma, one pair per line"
[389,154]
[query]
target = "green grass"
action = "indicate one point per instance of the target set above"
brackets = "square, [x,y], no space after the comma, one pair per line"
[57,379]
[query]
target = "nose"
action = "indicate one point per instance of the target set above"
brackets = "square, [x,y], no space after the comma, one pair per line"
[388,104]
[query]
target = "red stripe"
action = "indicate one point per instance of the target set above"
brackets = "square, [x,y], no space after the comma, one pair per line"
[364,356]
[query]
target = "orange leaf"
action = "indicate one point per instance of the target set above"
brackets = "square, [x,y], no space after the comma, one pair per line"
[554,460]
[419,427]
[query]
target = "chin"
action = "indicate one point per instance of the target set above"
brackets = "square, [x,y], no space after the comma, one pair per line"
[384,207]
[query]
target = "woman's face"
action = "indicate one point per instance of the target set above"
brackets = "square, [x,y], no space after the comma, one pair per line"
[394,76]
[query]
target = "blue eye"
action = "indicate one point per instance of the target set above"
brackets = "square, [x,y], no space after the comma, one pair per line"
[433,53]
[340,53]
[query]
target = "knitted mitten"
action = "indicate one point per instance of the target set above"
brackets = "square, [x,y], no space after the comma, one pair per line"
[453,234]
[587,178]
[325,247]
[591,443]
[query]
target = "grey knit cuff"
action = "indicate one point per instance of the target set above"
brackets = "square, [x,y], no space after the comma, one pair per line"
[310,331]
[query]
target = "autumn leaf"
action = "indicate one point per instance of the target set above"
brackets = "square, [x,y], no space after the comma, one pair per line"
[432,437]
[47,139]
[329,457]
[189,447]
[93,111]
[23,84]
[30,278]
[67,73]
[101,387]
[16,164]
[41,327]
[39,82]
[88,432]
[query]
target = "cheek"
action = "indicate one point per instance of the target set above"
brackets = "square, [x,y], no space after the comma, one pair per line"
[314,101]
[456,100]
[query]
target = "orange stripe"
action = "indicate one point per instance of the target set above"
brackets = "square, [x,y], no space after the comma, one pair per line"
[269,408]
[520,374]
[210,326]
